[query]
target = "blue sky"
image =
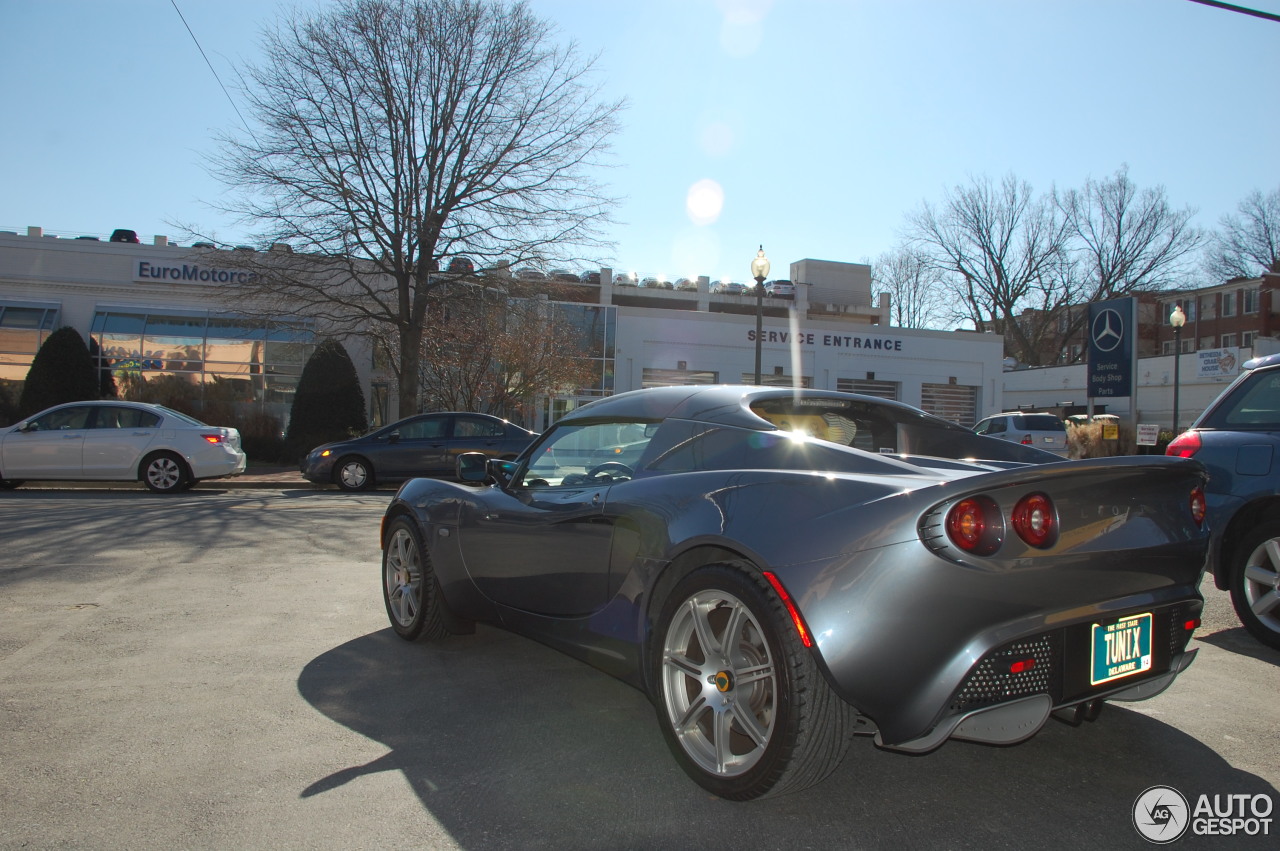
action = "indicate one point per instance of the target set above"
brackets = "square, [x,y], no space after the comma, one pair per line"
[821,123]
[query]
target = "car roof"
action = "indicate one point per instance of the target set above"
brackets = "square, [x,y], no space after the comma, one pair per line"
[724,404]
[1264,361]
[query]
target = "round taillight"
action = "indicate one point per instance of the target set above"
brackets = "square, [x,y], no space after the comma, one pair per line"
[1198,506]
[975,525]
[1184,445]
[1035,521]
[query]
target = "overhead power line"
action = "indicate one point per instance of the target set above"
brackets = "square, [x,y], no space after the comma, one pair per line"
[210,64]
[1270,16]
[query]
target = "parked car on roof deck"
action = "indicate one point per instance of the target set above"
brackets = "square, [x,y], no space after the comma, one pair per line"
[1238,439]
[1043,431]
[421,445]
[780,289]
[461,265]
[732,288]
[779,570]
[115,441]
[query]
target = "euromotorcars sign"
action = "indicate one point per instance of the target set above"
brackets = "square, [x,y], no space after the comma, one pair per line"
[149,270]
[1111,347]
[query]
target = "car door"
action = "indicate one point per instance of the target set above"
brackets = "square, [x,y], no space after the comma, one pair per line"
[50,446]
[119,437]
[542,543]
[416,448]
[473,433]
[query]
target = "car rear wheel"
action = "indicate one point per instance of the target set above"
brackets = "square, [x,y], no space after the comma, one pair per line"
[740,700]
[353,474]
[1255,583]
[409,587]
[165,472]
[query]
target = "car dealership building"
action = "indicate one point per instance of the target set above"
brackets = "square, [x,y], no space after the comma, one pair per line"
[158,312]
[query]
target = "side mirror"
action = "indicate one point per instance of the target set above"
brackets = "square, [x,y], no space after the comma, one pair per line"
[394,437]
[477,467]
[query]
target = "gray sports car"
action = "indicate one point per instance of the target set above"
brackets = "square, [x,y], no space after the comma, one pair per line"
[780,570]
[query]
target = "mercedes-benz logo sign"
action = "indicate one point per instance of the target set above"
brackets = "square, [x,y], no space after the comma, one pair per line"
[1108,330]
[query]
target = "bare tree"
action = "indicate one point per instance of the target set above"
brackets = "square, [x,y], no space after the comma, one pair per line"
[1248,244]
[393,133]
[1124,241]
[491,353]
[1004,252]
[915,288]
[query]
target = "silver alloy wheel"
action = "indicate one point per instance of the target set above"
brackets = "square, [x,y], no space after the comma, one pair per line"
[1262,583]
[720,683]
[402,576]
[353,475]
[163,473]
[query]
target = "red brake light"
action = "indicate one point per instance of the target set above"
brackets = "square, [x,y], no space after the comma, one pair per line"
[212,438]
[1184,445]
[975,525]
[1022,665]
[1198,509]
[1035,521]
[1026,440]
[1192,625]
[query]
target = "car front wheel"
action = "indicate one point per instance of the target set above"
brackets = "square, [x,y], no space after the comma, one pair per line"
[741,702]
[165,472]
[409,587]
[1255,583]
[353,474]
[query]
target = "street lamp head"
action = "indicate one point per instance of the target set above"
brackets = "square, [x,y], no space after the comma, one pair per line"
[760,266]
[1177,319]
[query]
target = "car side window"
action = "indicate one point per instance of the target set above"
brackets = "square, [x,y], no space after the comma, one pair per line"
[136,418]
[63,419]
[424,429]
[476,427]
[997,426]
[590,454]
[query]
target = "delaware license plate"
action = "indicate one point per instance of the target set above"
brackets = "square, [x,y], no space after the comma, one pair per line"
[1121,649]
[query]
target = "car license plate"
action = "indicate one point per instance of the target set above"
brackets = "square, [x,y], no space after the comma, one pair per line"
[1121,649]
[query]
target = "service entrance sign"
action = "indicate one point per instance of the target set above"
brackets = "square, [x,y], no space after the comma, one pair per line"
[1112,347]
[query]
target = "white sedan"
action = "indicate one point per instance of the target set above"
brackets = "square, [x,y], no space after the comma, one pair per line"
[118,441]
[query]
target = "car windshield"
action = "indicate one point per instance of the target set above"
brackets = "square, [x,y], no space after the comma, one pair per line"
[1038,422]
[1255,403]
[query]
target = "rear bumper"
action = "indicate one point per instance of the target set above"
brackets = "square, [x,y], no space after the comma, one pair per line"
[995,706]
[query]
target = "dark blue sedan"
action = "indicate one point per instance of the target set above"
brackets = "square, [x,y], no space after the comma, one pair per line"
[422,445]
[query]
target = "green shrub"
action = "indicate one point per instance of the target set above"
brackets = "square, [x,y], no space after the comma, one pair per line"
[329,404]
[62,371]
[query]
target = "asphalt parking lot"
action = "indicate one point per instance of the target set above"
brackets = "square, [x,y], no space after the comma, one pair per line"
[214,670]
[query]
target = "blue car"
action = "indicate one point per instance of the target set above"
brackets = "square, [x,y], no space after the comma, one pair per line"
[1238,439]
[421,445]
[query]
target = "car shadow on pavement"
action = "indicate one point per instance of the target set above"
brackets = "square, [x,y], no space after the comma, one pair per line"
[1240,642]
[510,744]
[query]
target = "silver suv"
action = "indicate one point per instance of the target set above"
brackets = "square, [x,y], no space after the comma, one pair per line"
[1043,431]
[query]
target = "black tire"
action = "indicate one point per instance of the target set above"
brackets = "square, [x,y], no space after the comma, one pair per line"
[1254,583]
[164,472]
[409,588]
[801,728]
[353,473]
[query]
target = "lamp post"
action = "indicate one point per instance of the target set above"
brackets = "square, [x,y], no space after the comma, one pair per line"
[759,271]
[1177,319]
